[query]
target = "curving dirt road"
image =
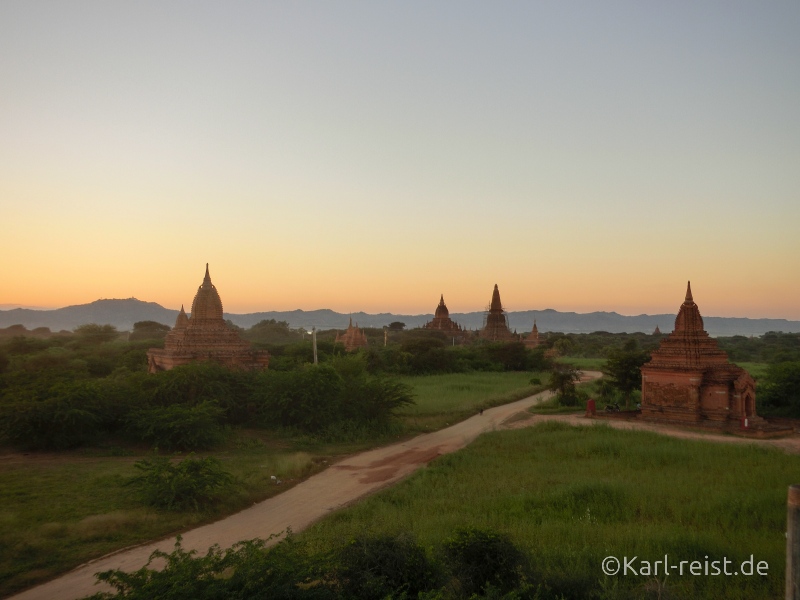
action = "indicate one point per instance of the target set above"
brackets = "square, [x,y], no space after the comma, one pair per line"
[339,485]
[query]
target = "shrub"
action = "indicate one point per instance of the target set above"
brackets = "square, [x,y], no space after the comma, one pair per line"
[179,427]
[66,419]
[479,559]
[384,567]
[193,483]
[307,399]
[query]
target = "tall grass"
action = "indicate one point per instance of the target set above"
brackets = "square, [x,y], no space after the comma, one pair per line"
[571,496]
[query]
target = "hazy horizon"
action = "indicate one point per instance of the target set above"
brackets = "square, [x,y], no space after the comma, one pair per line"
[370,157]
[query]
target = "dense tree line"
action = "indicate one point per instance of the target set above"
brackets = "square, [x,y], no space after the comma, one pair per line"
[772,347]
[72,390]
[68,391]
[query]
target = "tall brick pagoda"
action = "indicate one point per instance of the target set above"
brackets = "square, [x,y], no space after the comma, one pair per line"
[496,327]
[353,338]
[689,379]
[204,336]
[442,322]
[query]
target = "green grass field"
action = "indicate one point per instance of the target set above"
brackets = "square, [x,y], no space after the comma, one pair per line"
[442,400]
[59,510]
[572,496]
[587,364]
[756,370]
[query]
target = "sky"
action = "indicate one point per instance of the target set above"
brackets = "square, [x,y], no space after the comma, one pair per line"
[370,156]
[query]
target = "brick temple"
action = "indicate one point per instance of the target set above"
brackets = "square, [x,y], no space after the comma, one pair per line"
[205,336]
[442,322]
[496,326]
[353,338]
[689,379]
[532,341]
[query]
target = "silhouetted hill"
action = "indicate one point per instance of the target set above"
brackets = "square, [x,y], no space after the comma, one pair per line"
[124,313]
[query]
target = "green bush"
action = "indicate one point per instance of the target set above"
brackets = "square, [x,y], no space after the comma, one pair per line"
[179,427]
[482,559]
[66,419]
[307,399]
[193,483]
[385,567]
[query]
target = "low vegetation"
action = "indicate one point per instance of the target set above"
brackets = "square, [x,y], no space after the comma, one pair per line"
[96,512]
[568,497]
[86,398]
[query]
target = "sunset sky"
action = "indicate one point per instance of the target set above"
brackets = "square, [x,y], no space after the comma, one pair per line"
[369,156]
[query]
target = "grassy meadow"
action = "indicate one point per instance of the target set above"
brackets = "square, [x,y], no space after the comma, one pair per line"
[58,510]
[572,496]
[586,364]
[442,400]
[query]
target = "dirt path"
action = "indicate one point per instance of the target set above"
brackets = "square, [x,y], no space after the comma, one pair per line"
[341,484]
[790,444]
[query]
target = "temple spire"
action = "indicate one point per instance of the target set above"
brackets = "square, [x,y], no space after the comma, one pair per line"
[496,304]
[207,278]
[689,292]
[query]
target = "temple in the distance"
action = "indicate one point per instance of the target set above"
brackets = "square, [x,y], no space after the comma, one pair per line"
[204,336]
[353,338]
[495,329]
[689,379]
[532,341]
[442,322]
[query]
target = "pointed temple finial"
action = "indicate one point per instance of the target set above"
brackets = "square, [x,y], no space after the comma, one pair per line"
[496,305]
[689,292]
[207,278]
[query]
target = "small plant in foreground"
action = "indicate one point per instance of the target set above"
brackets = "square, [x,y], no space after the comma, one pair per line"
[193,483]
[481,560]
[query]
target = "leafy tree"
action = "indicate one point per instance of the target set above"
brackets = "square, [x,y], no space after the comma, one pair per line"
[148,330]
[66,417]
[564,346]
[779,391]
[397,326]
[92,333]
[562,381]
[623,369]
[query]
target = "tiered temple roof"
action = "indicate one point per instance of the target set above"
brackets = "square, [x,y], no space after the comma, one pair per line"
[442,322]
[496,327]
[689,378]
[205,336]
[353,338]
[532,341]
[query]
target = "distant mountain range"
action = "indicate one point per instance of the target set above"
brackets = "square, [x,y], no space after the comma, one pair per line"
[124,313]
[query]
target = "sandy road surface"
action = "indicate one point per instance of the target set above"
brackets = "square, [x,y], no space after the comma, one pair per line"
[341,484]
